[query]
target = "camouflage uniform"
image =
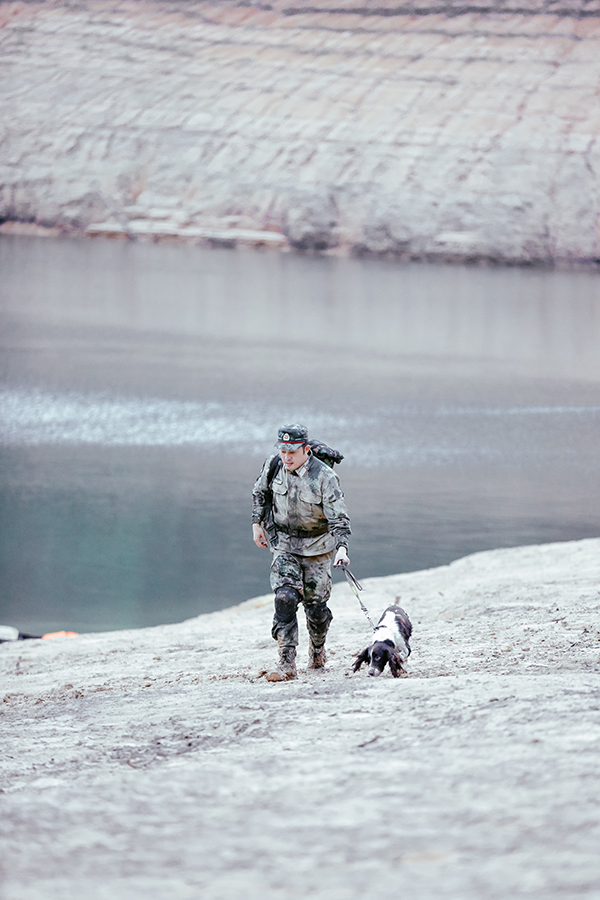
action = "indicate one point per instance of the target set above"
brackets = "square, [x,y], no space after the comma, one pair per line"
[311,522]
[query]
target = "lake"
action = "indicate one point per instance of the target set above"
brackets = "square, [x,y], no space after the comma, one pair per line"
[142,386]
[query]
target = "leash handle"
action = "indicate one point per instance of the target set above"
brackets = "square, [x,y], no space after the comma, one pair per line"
[349,576]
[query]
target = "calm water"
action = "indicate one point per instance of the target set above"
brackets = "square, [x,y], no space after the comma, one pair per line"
[142,386]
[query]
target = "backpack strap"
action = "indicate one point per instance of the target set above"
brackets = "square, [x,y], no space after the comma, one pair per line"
[274,467]
[276,464]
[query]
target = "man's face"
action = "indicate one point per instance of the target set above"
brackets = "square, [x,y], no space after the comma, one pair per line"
[293,459]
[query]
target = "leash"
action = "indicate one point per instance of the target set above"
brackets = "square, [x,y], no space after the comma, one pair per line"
[355,587]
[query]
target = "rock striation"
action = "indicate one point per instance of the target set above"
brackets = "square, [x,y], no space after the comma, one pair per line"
[160,763]
[464,130]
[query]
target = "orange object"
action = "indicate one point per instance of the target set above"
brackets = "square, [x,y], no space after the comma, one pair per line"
[55,634]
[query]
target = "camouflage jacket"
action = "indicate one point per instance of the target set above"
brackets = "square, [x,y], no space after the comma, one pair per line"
[309,510]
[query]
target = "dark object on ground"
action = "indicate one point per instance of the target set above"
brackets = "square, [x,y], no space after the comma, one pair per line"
[8,633]
[390,643]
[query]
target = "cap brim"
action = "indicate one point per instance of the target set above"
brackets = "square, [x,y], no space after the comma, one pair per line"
[281,445]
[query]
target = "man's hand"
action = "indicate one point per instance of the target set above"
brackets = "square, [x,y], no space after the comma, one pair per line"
[341,557]
[258,536]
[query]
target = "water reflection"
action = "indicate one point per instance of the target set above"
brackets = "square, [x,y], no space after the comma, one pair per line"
[142,386]
[532,321]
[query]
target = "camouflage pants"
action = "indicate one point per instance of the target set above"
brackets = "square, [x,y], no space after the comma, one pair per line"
[311,577]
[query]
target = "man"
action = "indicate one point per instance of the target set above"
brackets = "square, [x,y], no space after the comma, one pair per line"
[304,510]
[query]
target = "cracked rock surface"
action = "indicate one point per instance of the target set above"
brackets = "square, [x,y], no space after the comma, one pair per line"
[161,763]
[451,130]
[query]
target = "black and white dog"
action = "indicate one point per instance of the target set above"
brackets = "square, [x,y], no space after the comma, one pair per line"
[390,643]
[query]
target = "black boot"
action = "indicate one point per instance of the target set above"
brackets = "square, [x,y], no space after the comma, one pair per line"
[318,620]
[285,632]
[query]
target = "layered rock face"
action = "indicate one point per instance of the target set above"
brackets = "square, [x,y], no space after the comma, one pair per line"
[419,130]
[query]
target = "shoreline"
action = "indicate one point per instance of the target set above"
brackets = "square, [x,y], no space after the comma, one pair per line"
[257,243]
[171,733]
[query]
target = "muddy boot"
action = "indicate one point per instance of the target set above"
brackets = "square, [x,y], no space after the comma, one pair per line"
[286,670]
[316,656]
[318,620]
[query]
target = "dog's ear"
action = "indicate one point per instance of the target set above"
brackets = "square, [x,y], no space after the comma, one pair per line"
[396,664]
[360,659]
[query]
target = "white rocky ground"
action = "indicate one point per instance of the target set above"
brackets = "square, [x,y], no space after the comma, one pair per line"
[158,764]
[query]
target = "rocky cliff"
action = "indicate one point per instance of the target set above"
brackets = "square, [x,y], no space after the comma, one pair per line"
[452,130]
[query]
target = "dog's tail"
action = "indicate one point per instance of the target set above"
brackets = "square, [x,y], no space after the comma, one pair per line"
[402,621]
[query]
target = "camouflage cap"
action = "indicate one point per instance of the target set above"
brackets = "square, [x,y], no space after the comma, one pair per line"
[291,437]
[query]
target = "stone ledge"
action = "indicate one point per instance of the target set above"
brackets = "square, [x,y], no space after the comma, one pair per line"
[165,229]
